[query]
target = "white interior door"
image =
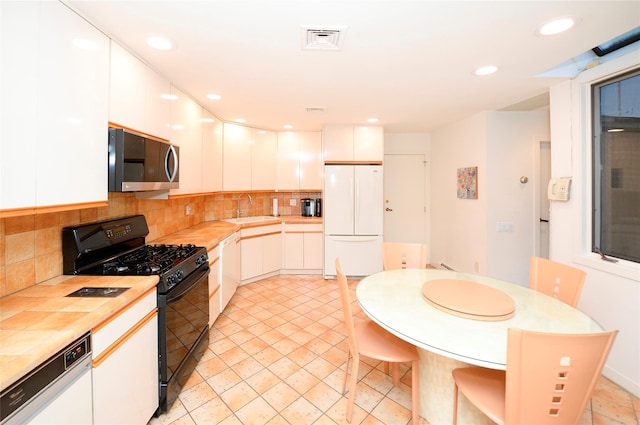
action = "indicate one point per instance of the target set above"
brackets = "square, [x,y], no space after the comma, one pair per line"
[404,198]
[543,181]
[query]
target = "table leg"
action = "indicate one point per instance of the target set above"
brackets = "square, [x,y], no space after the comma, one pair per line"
[436,392]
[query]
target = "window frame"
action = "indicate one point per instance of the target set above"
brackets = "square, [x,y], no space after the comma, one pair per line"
[597,159]
[581,148]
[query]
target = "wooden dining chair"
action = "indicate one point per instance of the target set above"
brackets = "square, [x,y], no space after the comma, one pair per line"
[368,339]
[403,255]
[556,279]
[549,378]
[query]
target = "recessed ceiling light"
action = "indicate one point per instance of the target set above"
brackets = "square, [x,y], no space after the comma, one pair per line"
[169,96]
[486,70]
[372,120]
[241,120]
[262,131]
[556,26]
[287,126]
[159,43]
[214,96]
[208,120]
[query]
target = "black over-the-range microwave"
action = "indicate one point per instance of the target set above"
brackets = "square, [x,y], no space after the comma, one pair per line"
[140,162]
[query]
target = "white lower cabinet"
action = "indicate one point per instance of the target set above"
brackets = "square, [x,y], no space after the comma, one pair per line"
[125,365]
[260,252]
[302,248]
[214,284]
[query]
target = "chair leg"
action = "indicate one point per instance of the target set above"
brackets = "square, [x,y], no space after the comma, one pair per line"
[395,373]
[352,387]
[455,403]
[415,401]
[346,371]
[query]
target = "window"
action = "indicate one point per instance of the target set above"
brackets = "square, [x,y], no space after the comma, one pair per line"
[616,167]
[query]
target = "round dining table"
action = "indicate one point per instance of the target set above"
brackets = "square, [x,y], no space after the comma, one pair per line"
[434,310]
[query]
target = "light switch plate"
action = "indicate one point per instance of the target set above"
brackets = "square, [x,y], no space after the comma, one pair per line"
[292,202]
[504,226]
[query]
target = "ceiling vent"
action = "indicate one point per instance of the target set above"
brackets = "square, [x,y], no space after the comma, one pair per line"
[316,109]
[327,38]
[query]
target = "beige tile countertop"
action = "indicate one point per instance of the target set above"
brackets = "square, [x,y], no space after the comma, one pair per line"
[38,321]
[210,233]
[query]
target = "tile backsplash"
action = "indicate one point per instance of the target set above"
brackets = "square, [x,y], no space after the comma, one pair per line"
[31,245]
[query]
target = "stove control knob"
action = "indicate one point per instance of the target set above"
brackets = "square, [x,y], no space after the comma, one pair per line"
[172,280]
[179,275]
[201,259]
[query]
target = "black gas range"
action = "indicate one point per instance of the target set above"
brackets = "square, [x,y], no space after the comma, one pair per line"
[117,247]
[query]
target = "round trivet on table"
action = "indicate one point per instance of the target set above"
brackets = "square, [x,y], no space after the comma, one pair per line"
[470,300]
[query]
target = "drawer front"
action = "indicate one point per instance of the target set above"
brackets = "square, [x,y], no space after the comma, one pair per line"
[297,228]
[113,328]
[260,230]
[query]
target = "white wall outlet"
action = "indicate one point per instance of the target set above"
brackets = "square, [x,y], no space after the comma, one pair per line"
[188,210]
[292,202]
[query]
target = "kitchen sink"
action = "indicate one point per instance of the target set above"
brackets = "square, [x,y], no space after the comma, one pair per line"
[98,292]
[258,218]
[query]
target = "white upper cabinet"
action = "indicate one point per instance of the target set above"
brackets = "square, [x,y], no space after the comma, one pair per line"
[157,107]
[299,161]
[310,145]
[186,132]
[18,123]
[236,158]
[138,96]
[127,91]
[368,143]
[54,121]
[264,149]
[211,152]
[288,161]
[249,158]
[349,143]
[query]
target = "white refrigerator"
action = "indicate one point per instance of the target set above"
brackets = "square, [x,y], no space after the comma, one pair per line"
[353,213]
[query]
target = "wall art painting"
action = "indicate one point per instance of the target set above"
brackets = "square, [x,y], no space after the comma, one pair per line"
[468,183]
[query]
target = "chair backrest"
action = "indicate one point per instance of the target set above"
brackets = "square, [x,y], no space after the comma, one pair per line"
[556,279]
[346,308]
[403,255]
[550,377]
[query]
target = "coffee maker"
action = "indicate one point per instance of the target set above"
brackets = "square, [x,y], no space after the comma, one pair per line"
[308,207]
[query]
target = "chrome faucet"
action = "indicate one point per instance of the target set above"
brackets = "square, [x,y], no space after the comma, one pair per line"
[250,203]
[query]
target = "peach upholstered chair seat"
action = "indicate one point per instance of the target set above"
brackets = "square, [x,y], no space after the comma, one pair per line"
[549,378]
[556,279]
[368,339]
[404,255]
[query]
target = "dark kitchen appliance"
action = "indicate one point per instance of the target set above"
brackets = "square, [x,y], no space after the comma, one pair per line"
[140,162]
[117,247]
[307,206]
[318,208]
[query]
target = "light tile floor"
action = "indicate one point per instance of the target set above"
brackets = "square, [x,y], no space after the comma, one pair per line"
[277,356]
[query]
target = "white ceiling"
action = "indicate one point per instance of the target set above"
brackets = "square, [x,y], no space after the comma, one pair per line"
[408,63]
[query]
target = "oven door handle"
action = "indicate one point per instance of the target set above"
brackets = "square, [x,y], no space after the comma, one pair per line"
[200,275]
